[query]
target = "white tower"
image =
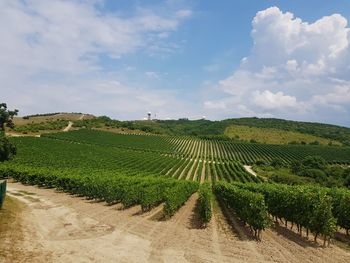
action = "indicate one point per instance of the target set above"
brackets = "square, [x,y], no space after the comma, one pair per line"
[149,116]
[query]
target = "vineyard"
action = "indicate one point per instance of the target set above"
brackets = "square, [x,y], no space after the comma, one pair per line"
[207,150]
[150,170]
[2,192]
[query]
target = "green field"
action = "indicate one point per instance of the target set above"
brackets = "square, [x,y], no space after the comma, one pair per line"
[274,136]
[148,170]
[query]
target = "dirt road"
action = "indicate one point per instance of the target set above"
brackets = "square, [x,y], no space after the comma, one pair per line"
[69,126]
[249,169]
[57,227]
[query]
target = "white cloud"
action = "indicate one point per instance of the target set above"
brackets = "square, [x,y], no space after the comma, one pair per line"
[294,65]
[269,100]
[152,75]
[51,54]
[184,13]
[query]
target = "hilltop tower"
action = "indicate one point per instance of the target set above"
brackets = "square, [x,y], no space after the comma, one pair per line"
[149,116]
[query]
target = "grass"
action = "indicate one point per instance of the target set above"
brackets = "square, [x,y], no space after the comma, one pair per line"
[273,136]
[9,222]
[19,121]
[282,175]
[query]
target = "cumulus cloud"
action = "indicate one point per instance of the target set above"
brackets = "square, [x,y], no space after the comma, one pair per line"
[294,65]
[269,100]
[51,54]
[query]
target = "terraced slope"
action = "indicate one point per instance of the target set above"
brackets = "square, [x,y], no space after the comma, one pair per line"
[274,136]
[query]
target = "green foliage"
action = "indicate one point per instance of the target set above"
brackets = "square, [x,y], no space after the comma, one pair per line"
[2,192]
[274,136]
[7,149]
[277,162]
[205,202]
[129,141]
[215,129]
[249,206]
[108,186]
[53,125]
[290,179]
[341,207]
[317,174]
[328,131]
[308,207]
[314,162]
[296,166]
[347,181]
[176,196]
[316,167]
[6,117]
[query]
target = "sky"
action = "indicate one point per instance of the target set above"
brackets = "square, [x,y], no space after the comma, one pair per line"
[177,58]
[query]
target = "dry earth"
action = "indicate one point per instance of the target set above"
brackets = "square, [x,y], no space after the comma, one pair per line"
[250,170]
[57,227]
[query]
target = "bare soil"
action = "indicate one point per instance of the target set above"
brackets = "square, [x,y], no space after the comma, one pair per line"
[49,226]
[250,170]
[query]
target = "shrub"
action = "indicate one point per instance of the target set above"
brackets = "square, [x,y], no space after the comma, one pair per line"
[205,198]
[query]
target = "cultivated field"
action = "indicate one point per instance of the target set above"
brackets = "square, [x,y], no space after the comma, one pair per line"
[103,197]
[274,136]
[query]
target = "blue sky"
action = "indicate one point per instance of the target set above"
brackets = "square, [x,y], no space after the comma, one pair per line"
[122,58]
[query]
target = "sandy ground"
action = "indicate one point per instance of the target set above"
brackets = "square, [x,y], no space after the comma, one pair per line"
[69,126]
[12,134]
[249,169]
[57,227]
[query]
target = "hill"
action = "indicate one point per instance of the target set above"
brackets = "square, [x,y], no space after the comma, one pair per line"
[274,136]
[264,130]
[206,128]
[43,123]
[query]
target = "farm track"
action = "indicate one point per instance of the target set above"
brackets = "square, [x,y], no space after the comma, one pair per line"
[57,227]
[250,170]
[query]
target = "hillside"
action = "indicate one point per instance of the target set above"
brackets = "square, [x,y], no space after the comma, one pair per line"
[270,131]
[274,136]
[207,128]
[323,130]
[43,123]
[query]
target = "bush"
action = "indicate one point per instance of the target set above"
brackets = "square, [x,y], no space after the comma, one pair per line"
[2,192]
[277,162]
[7,150]
[314,162]
[176,196]
[249,206]
[291,179]
[205,198]
[318,175]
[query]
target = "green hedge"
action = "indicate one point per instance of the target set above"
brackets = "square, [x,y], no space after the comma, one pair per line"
[177,195]
[2,192]
[205,199]
[249,206]
[146,191]
[308,207]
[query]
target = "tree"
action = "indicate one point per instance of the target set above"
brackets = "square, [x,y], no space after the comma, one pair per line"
[6,117]
[296,166]
[277,163]
[314,162]
[347,181]
[7,150]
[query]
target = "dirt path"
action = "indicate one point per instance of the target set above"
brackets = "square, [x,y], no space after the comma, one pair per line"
[57,227]
[249,169]
[11,134]
[69,126]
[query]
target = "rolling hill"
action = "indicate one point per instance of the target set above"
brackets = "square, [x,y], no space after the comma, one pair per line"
[264,130]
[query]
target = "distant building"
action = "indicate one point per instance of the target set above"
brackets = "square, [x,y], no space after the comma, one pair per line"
[149,116]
